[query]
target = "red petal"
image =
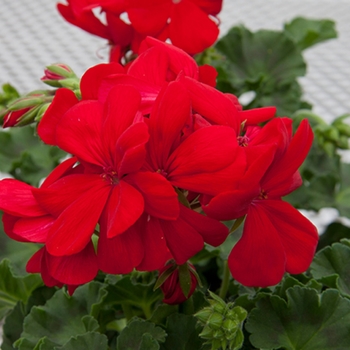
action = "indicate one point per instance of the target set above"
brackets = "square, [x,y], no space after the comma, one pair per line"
[208,75]
[79,132]
[93,77]
[297,234]
[231,205]
[62,169]
[120,109]
[147,91]
[124,207]
[63,101]
[34,229]
[258,259]
[169,116]
[257,115]
[9,222]
[85,20]
[16,198]
[120,32]
[182,239]
[212,231]
[209,150]
[34,263]
[191,29]
[158,193]
[151,66]
[122,253]
[276,180]
[212,104]
[149,18]
[74,269]
[73,229]
[212,7]
[60,195]
[156,250]
[179,60]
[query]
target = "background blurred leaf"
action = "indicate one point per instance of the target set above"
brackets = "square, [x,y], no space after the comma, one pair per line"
[308,32]
[25,156]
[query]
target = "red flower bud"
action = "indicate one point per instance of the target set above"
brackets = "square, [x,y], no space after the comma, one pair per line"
[11,118]
[179,284]
[57,72]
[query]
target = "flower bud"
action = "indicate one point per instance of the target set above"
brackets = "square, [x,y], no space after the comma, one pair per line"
[222,323]
[23,110]
[177,282]
[60,75]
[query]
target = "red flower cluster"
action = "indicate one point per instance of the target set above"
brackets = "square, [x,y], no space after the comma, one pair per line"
[152,142]
[189,24]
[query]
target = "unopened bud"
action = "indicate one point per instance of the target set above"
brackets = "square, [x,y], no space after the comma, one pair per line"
[177,282]
[60,75]
[24,110]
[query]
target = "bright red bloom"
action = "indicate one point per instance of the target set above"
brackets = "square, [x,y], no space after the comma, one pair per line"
[276,237]
[171,230]
[187,23]
[109,142]
[121,36]
[25,221]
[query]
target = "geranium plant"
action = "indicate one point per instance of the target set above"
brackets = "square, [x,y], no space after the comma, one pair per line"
[161,213]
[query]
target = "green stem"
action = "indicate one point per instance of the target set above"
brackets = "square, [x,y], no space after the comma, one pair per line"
[225,281]
[146,308]
[127,309]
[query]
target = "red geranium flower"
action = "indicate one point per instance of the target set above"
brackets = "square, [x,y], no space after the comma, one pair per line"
[276,237]
[187,23]
[25,221]
[108,140]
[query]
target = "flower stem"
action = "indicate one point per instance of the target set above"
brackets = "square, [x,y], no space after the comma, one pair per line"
[127,309]
[147,311]
[225,281]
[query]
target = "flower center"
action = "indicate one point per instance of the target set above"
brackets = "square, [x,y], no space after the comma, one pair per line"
[243,141]
[162,172]
[110,175]
[263,195]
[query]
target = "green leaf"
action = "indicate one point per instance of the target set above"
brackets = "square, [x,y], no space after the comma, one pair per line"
[133,336]
[308,32]
[138,294]
[331,267]
[8,94]
[342,198]
[13,326]
[87,341]
[306,321]
[266,62]
[265,54]
[25,156]
[182,333]
[14,288]
[63,317]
